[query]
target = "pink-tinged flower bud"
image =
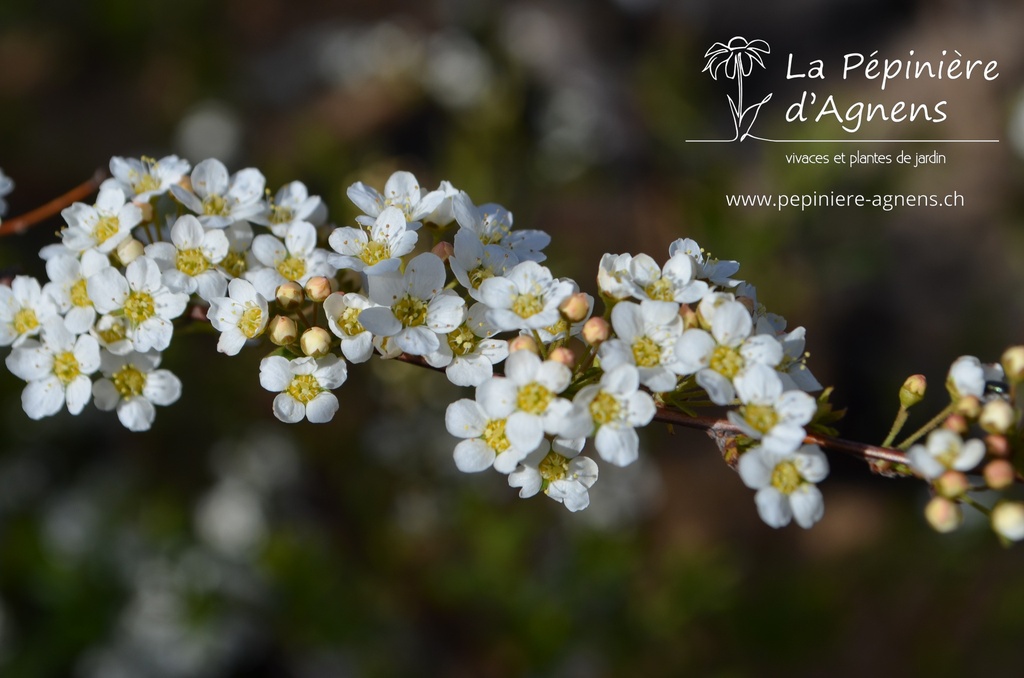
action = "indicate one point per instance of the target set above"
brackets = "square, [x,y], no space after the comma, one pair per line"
[689,316]
[146,208]
[997,446]
[952,484]
[523,343]
[997,416]
[1013,364]
[912,391]
[129,250]
[1008,520]
[596,331]
[318,288]
[969,406]
[282,330]
[315,342]
[999,474]
[943,514]
[575,307]
[563,355]
[289,296]
[956,423]
[443,250]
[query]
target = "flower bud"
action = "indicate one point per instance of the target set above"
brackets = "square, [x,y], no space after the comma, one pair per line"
[1013,364]
[943,514]
[912,391]
[956,423]
[129,250]
[689,316]
[575,307]
[952,484]
[283,330]
[443,250]
[523,343]
[1008,520]
[315,342]
[969,406]
[563,355]
[596,331]
[997,417]
[999,474]
[146,208]
[997,446]
[290,296]
[318,288]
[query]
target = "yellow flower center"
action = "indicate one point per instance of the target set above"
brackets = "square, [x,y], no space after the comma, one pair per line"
[349,322]
[605,408]
[948,456]
[146,182]
[129,381]
[761,417]
[65,367]
[785,478]
[192,262]
[526,305]
[478,275]
[374,252]
[113,333]
[292,268]
[726,361]
[80,294]
[139,307]
[559,329]
[660,290]
[215,206]
[553,467]
[281,215]
[105,227]
[534,398]
[304,387]
[494,436]
[234,264]
[410,311]
[462,341]
[25,320]
[646,353]
[252,319]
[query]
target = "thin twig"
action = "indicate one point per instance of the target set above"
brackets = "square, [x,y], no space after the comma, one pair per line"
[25,221]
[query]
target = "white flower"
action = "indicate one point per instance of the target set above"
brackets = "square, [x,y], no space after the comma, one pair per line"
[613,276]
[1008,520]
[677,281]
[768,414]
[646,336]
[473,262]
[239,258]
[240,316]
[713,270]
[220,199]
[141,179]
[558,472]
[403,191]
[143,300]
[303,386]
[297,259]
[111,331]
[188,262]
[380,251]
[481,423]
[785,484]
[414,308]
[6,186]
[23,310]
[292,204]
[526,299]
[57,371]
[444,213]
[492,225]
[793,368]
[967,376]
[945,450]
[133,385]
[68,287]
[616,406]
[469,354]
[342,312]
[718,356]
[527,398]
[102,226]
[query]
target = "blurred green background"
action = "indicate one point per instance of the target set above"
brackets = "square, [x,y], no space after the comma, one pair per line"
[223,543]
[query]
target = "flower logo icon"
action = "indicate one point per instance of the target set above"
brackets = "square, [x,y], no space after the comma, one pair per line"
[736,60]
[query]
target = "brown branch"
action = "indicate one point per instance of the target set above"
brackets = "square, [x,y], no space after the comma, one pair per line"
[25,221]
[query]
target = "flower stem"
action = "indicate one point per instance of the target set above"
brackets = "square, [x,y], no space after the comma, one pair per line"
[935,421]
[25,221]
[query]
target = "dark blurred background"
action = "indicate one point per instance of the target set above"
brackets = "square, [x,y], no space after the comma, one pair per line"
[223,543]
